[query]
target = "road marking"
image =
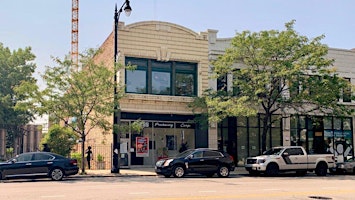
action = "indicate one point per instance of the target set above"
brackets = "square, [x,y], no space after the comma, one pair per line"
[271,189]
[53,196]
[135,193]
[271,195]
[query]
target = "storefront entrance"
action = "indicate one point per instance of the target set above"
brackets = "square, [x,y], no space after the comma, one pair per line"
[157,140]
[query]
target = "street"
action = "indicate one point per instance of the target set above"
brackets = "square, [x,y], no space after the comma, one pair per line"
[193,187]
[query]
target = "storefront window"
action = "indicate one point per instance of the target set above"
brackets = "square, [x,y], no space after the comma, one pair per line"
[276,137]
[254,142]
[337,123]
[242,145]
[324,135]
[241,121]
[222,134]
[302,122]
[249,136]
[253,122]
[293,137]
[347,123]
[328,123]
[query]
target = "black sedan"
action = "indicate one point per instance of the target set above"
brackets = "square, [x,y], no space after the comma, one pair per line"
[198,161]
[38,164]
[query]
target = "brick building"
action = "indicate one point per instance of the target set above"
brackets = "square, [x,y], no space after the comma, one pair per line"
[172,67]
[28,139]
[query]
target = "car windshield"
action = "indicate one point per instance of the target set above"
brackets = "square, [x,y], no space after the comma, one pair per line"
[184,153]
[273,151]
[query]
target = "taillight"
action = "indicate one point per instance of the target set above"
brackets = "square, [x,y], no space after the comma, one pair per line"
[74,162]
[231,157]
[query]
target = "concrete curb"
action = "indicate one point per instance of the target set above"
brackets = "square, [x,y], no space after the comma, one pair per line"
[135,172]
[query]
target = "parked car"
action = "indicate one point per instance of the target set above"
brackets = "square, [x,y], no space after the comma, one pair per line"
[346,167]
[38,164]
[198,161]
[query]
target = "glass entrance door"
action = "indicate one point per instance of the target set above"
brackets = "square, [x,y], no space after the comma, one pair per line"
[124,159]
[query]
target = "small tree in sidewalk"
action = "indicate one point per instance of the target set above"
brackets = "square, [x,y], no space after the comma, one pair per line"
[81,98]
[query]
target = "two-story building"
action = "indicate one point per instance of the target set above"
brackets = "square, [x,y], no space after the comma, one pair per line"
[172,67]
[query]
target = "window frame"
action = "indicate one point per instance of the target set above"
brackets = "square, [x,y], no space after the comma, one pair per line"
[172,67]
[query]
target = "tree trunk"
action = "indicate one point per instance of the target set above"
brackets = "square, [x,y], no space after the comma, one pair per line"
[266,126]
[83,153]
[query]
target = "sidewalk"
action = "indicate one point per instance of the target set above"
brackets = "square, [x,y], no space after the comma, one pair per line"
[134,171]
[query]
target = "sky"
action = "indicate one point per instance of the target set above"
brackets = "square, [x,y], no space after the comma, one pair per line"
[45,25]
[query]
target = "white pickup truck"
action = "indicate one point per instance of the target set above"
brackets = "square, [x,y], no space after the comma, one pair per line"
[289,158]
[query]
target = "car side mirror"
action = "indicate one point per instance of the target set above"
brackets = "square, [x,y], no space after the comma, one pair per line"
[189,157]
[13,161]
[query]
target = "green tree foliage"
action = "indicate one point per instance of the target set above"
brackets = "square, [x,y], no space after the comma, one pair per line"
[81,98]
[60,140]
[275,72]
[16,72]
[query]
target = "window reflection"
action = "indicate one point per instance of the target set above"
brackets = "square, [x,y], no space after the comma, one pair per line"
[162,78]
[136,81]
[184,84]
[161,83]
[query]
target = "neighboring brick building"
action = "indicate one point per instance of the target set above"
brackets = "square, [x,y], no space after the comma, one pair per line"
[28,140]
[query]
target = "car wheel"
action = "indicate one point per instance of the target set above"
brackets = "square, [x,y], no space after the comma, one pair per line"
[56,174]
[223,171]
[178,171]
[321,169]
[272,169]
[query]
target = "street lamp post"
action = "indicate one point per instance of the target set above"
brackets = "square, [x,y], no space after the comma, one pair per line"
[117,115]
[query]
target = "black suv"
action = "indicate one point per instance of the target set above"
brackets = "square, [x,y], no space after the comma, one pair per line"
[200,161]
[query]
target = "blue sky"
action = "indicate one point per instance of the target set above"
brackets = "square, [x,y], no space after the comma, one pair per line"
[45,25]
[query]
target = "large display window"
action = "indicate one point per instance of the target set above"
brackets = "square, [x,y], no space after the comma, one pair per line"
[323,135]
[241,136]
[159,140]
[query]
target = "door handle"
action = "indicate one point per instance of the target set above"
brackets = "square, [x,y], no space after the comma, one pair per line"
[202,159]
[28,164]
[49,163]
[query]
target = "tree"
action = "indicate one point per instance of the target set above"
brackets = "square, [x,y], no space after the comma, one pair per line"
[81,98]
[275,72]
[16,71]
[60,140]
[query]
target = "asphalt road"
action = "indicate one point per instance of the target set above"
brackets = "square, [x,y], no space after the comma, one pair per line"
[340,187]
